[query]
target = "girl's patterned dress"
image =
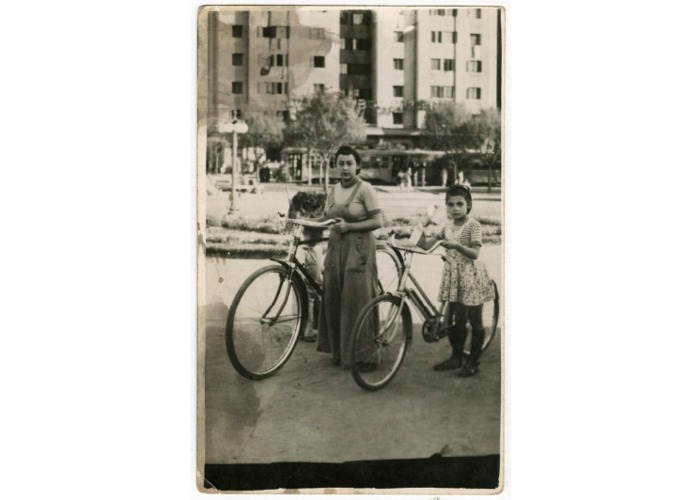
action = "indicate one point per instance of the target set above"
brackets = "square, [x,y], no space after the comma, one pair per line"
[464,280]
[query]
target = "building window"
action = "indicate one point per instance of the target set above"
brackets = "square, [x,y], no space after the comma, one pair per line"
[359,69]
[475,39]
[435,91]
[237,31]
[398,90]
[343,17]
[358,44]
[448,64]
[236,114]
[398,118]
[435,64]
[474,93]
[319,62]
[436,36]
[317,33]
[454,37]
[237,59]
[358,18]
[272,88]
[454,12]
[398,36]
[237,87]
[474,66]
[319,88]
[474,13]
[343,69]
[274,31]
[398,64]
[284,115]
[448,92]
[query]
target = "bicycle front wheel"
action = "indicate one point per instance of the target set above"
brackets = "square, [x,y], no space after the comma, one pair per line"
[264,322]
[380,338]
[489,316]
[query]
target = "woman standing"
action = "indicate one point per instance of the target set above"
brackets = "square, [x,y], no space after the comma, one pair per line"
[350,270]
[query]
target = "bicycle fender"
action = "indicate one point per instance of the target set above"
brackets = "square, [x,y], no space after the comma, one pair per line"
[296,276]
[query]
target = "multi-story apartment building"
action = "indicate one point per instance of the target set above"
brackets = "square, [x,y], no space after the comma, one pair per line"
[395,61]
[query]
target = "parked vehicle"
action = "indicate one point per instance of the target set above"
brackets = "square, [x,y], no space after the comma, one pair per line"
[246,184]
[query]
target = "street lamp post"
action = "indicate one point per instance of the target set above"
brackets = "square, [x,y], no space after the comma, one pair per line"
[236,127]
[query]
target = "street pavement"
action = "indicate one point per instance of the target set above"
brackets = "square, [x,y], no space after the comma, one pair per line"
[311,411]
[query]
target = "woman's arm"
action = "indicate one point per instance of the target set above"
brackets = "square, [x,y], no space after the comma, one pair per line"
[374,222]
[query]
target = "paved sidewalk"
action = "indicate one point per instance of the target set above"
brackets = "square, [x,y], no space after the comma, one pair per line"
[313,411]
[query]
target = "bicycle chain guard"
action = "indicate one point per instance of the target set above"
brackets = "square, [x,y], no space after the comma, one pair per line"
[432,331]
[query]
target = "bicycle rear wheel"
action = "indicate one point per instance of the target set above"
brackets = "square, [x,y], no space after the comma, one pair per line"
[388,268]
[264,322]
[489,316]
[380,338]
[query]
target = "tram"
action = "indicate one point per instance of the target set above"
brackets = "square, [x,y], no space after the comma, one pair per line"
[378,166]
[382,166]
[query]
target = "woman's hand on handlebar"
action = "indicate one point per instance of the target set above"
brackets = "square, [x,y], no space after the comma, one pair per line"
[340,226]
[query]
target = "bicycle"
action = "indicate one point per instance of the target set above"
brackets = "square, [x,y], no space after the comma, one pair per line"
[271,307]
[384,329]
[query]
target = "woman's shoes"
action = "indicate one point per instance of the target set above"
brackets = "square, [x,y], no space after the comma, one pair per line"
[452,363]
[309,334]
[469,369]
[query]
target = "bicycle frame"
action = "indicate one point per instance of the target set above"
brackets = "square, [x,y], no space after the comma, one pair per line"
[293,267]
[417,296]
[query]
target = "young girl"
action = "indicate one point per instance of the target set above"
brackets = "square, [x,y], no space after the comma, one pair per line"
[466,284]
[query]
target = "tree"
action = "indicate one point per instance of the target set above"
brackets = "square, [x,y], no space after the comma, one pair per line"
[444,128]
[451,129]
[325,122]
[483,131]
[264,133]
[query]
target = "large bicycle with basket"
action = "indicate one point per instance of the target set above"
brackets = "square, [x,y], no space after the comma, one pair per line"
[271,308]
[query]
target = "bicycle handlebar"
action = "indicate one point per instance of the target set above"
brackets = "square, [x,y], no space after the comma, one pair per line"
[413,248]
[310,223]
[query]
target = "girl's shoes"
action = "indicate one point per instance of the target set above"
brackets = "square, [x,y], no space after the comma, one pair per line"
[469,369]
[452,363]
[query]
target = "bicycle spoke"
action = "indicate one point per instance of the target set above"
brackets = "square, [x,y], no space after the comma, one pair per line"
[380,340]
[265,323]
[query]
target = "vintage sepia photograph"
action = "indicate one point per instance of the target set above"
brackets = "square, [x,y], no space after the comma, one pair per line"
[350,185]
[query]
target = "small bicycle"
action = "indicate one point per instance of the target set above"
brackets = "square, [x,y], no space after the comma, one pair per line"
[271,308]
[384,329]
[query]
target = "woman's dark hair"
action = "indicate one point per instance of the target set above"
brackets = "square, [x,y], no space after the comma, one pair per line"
[463,191]
[348,150]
